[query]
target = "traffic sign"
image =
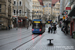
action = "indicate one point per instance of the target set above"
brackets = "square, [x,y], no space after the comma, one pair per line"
[65,12]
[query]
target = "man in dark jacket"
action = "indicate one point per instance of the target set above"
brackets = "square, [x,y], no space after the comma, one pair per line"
[54,28]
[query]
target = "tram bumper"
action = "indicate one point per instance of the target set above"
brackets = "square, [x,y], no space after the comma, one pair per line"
[36,31]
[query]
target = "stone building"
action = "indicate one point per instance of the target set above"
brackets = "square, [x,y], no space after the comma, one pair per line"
[24,14]
[56,10]
[37,10]
[47,8]
[6,8]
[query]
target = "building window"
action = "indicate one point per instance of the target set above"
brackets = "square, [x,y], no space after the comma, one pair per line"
[20,3]
[20,11]
[14,12]
[14,2]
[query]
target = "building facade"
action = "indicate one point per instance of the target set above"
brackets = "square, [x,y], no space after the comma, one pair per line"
[68,12]
[6,8]
[22,10]
[47,8]
[37,10]
[56,10]
[61,7]
[72,17]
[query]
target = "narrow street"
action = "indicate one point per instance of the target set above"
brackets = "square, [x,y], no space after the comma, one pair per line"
[37,24]
[23,39]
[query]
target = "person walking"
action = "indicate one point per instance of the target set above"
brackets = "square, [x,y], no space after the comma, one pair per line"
[54,28]
[66,30]
[49,29]
[9,27]
[27,26]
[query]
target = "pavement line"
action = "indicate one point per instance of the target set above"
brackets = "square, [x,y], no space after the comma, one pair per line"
[36,42]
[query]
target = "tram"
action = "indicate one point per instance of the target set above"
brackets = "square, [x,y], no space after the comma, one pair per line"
[38,26]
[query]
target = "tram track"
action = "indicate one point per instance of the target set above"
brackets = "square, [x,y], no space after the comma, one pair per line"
[24,43]
[29,48]
[16,40]
[36,39]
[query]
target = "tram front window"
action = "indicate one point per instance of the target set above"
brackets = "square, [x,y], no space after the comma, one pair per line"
[36,25]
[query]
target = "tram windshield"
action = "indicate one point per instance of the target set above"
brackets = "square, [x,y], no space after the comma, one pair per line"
[37,25]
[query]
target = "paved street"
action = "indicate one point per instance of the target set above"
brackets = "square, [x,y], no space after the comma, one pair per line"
[23,39]
[37,24]
[10,39]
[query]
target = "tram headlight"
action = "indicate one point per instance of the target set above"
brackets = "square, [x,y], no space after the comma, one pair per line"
[32,29]
[39,29]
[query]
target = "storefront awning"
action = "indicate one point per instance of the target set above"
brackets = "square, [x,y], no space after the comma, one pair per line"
[72,12]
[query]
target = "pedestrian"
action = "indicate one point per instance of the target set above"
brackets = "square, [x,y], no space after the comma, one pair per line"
[66,30]
[27,26]
[54,28]
[30,24]
[9,27]
[49,29]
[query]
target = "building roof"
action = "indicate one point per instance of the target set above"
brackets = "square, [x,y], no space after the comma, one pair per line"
[41,2]
[54,1]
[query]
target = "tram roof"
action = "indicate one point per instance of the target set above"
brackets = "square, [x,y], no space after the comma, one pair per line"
[37,20]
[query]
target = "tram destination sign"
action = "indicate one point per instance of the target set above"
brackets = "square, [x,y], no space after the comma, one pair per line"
[36,21]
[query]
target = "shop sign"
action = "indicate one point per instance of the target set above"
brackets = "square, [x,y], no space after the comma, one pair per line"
[68,8]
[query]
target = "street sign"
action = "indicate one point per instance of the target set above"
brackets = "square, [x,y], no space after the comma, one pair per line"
[63,17]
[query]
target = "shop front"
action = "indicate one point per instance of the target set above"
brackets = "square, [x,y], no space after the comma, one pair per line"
[72,23]
[21,21]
